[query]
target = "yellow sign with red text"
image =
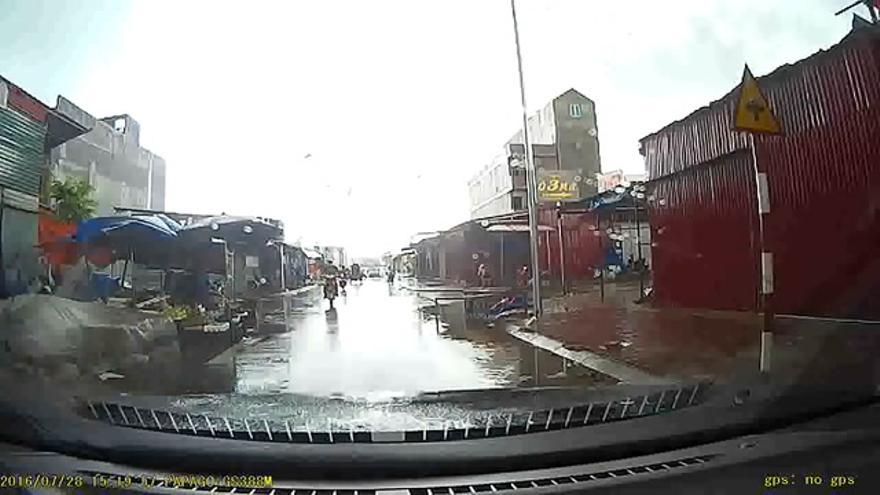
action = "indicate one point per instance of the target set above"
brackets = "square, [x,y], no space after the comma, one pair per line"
[558,185]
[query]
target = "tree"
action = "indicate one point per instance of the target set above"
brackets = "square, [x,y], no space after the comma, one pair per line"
[73,199]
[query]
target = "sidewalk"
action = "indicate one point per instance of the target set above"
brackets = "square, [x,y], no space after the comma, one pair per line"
[680,344]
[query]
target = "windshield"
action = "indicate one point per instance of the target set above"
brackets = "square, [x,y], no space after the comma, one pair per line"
[228,204]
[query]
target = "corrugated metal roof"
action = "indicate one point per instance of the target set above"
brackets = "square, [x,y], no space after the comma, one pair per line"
[803,95]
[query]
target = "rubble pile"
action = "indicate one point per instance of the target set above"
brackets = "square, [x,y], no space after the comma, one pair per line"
[64,338]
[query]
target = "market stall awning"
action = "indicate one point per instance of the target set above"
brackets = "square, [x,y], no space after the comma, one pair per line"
[217,221]
[311,254]
[127,229]
[618,197]
[516,227]
[232,229]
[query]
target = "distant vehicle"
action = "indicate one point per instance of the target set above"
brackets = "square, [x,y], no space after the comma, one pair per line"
[374,272]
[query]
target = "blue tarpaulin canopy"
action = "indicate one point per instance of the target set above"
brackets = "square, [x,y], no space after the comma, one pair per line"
[618,197]
[122,229]
[610,200]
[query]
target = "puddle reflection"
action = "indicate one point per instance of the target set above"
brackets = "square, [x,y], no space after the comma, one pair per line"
[379,341]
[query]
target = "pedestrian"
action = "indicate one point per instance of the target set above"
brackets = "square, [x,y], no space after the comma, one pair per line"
[522,277]
[484,276]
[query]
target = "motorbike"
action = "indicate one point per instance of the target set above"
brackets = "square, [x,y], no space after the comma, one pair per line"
[357,274]
[330,289]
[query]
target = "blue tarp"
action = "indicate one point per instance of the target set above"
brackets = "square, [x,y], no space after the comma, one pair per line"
[609,199]
[135,228]
[613,258]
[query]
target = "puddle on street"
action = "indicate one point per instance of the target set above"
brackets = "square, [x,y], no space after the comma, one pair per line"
[378,344]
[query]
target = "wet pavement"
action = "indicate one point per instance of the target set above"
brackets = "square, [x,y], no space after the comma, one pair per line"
[706,344]
[379,343]
[373,361]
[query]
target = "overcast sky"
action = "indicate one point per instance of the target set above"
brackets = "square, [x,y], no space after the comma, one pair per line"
[395,103]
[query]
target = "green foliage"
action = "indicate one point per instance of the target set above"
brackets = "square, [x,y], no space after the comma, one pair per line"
[73,199]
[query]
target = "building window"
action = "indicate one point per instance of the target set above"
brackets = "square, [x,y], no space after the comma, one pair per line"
[4,94]
[517,203]
[575,111]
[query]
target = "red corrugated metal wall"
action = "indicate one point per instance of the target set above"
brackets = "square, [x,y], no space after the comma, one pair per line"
[26,103]
[582,248]
[824,224]
[824,181]
[701,229]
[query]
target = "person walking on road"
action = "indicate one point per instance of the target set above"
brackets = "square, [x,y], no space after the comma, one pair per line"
[484,276]
[522,277]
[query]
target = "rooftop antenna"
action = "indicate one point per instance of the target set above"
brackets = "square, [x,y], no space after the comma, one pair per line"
[871,5]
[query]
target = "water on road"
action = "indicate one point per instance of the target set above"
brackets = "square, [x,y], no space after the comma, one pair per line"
[384,342]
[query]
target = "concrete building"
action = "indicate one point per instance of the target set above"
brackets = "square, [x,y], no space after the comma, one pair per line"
[500,187]
[610,180]
[110,158]
[335,253]
[564,136]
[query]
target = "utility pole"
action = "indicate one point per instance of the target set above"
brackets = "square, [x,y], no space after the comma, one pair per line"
[753,115]
[531,181]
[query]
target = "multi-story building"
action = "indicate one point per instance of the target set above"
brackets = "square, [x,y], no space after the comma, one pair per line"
[500,187]
[563,135]
[110,158]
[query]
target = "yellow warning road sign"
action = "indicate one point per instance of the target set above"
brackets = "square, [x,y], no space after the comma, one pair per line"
[753,113]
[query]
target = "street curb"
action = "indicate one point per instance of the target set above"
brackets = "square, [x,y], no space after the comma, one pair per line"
[233,349]
[296,292]
[615,369]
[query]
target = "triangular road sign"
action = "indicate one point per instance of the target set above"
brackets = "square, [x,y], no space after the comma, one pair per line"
[753,113]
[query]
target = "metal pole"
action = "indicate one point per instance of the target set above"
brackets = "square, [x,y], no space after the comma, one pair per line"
[437,316]
[258,313]
[766,282]
[549,253]
[125,267]
[850,6]
[601,257]
[285,306]
[537,370]
[531,181]
[561,249]
[501,261]
[283,277]
[639,251]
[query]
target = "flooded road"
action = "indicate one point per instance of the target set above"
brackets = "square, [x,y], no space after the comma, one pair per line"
[383,343]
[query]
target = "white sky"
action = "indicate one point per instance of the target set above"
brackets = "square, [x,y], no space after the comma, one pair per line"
[397,102]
